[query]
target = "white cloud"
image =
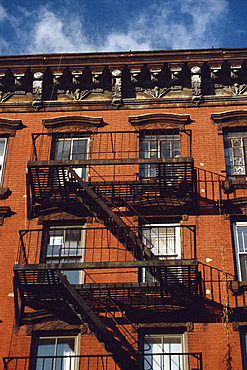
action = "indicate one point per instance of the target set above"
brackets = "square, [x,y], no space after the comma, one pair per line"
[180,24]
[121,42]
[52,34]
[3,14]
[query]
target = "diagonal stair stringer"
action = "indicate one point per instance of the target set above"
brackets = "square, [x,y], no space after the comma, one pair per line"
[120,355]
[111,220]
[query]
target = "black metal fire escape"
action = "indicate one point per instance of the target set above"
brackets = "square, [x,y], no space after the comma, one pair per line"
[56,182]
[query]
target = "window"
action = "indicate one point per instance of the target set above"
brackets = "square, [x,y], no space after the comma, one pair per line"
[240,241]
[163,144]
[235,145]
[72,148]
[164,240]
[57,353]
[164,352]
[3,150]
[65,245]
[243,342]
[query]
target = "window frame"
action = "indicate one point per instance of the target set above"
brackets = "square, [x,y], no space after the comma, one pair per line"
[243,345]
[82,172]
[237,252]
[145,276]
[52,258]
[54,335]
[4,157]
[178,334]
[170,136]
[232,160]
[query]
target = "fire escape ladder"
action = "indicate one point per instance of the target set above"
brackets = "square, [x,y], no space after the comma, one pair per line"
[113,346]
[110,219]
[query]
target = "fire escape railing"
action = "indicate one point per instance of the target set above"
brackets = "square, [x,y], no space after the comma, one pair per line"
[110,157]
[100,245]
[105,145]
[191,361]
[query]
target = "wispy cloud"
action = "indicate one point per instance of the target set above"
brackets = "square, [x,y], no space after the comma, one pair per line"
[54,34]
[163,24]
[3,13]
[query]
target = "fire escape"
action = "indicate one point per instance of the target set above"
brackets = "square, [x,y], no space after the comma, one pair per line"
[116,184]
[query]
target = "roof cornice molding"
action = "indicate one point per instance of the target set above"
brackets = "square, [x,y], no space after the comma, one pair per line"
[116,59]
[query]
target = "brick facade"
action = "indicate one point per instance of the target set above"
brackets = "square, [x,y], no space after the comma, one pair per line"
[211,320]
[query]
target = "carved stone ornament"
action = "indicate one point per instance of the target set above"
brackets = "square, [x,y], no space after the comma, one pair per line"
[5,96]
[196,84]
[76,77]
[96,77]
[215,71]
[237,89]
[155,74]
[56,77]
[37,89]
[235,71]
[78,94]
[117,88]
[175,73]
[157,92]
[135,73]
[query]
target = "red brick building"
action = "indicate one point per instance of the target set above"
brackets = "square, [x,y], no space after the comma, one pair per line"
[123,210]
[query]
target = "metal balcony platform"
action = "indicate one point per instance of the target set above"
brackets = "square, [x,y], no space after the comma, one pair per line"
[42,289]
[174,180]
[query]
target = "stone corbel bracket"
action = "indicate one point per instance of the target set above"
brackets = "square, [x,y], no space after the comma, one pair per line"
[196,85]
[38,90]
[116,88]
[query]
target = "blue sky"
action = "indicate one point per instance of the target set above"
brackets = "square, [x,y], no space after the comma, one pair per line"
[65,26]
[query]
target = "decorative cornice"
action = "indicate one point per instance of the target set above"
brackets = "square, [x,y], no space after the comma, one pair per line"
[160,121]
[9,126]
[232,118]
[4,193]
[4,212]
[73,123]
[119,59]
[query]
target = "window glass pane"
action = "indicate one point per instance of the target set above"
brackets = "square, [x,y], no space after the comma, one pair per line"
[72,242]
[79,149]
[65,246]
[46,347]
[242,238]
[63,347]
[2,147]
[62,151]
[243,266]
[3,144]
